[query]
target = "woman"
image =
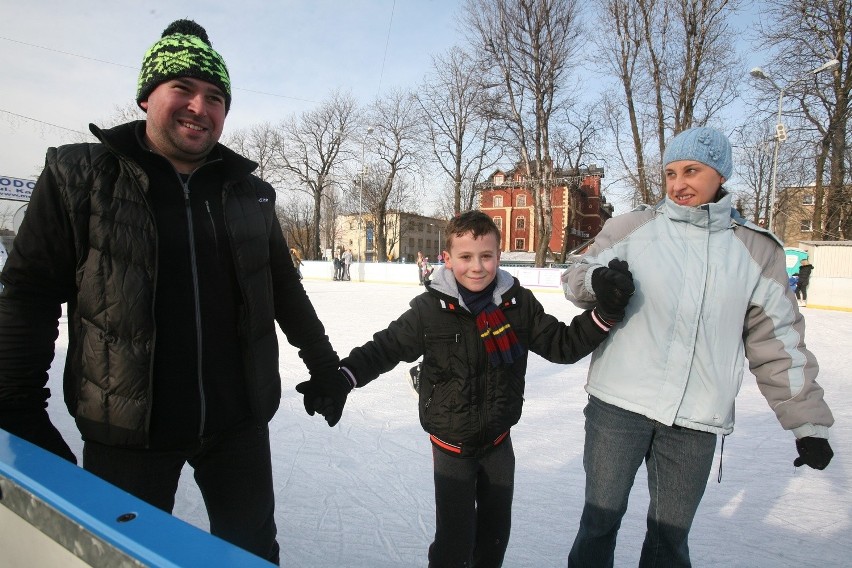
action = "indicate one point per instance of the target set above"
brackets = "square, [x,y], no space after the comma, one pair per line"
[711,288]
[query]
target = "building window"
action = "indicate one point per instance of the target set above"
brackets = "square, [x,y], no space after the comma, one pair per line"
[806,226]
[498,201]
[519,244]
[522,201]
[498,179]
[520,222]
[499,222]
[808,199]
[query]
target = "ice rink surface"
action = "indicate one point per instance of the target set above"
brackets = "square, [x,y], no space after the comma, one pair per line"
[360,495]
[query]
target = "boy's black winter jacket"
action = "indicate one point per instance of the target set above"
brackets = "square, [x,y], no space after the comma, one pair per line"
[464,400]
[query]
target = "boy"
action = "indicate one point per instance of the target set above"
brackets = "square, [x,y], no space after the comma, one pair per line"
[474,326]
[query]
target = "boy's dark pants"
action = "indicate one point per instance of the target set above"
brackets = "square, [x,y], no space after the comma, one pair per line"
[473,505]
[233,471]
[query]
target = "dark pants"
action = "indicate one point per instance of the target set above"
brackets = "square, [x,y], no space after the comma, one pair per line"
[802,291]
[233,471]
[473,506]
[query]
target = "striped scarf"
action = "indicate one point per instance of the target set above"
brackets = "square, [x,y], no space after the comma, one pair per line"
[501,343]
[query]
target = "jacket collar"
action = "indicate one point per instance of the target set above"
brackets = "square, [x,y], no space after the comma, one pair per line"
[716,216]
[125,140]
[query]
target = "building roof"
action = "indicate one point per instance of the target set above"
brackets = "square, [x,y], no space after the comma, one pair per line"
[832,243]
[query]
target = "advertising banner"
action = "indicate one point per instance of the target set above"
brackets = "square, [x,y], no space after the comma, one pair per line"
[16,189]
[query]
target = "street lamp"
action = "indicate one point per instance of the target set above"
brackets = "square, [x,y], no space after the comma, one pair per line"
[780,131]
[361,192]
[440,244]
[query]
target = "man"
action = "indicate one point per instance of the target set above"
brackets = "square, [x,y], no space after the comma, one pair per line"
[170,257]
[804,279]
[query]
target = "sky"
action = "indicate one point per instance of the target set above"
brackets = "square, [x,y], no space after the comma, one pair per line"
[66,64]
[360,495]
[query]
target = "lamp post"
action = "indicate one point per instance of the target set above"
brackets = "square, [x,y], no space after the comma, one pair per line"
[780,131]
[361,192]
[440,244]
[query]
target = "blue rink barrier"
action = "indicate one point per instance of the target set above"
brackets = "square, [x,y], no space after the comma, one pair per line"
[53,513]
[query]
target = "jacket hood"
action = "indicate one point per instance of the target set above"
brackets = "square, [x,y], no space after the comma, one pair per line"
[444,282]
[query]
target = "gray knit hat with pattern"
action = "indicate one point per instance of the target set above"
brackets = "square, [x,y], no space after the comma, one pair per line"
[702,144]
[183,51]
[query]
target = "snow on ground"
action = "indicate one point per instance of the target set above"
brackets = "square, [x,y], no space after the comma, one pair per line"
[361,494]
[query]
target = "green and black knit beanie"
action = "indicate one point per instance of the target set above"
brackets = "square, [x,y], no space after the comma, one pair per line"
[183,51]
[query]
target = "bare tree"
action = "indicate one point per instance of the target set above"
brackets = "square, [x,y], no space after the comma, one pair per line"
[310,146]
[124,113]
[529,47]
[258,143]
[754,169]
[623,47]
[676,70]
[296,219]
[396,121]
[575,145]
[455,101]
[823,31]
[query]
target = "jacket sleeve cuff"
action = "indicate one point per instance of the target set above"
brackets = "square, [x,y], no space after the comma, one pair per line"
[813,430]
[587,278]
[600,321]
[349,376]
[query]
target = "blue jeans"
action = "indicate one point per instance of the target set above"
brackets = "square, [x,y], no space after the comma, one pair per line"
[473,506]
[678,461]
[233,470]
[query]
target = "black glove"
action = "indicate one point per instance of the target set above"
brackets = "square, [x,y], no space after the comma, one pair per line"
[613,287]
[814,452]
[326,395]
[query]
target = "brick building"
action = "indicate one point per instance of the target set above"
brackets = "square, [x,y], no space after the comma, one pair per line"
[579,209]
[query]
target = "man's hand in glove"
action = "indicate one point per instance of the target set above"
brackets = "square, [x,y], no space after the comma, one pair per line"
[613,286]
[326,395]
[815,452]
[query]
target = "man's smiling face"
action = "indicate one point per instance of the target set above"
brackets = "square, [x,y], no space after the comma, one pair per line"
[185,120]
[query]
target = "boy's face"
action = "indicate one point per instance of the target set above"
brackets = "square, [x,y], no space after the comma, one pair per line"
[474,262]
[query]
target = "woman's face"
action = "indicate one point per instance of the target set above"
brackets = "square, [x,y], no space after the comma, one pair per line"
[692,183]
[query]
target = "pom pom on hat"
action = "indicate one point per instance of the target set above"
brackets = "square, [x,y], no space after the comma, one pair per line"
[702,144]
[183,51]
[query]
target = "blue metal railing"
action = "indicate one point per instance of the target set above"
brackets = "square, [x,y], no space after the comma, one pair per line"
[45,499]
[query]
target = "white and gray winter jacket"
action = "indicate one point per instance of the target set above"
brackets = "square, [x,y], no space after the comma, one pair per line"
[711,290]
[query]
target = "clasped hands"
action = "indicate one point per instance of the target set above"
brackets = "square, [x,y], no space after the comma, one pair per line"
[613,287]
[326,395]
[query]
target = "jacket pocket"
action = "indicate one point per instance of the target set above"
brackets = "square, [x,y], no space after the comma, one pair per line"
[444,355]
